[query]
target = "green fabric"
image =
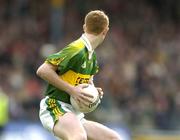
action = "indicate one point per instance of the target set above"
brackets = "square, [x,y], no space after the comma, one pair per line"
[73,57]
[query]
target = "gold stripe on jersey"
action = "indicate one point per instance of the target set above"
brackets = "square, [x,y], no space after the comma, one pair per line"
[55,61]
[74,78]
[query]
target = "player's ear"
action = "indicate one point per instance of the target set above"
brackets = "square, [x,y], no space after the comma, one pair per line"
[84,27]
[105,31]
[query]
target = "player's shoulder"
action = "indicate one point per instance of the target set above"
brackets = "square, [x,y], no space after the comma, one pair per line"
[73,48]
[76,45]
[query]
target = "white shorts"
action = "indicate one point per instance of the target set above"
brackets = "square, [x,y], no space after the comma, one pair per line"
[51,109]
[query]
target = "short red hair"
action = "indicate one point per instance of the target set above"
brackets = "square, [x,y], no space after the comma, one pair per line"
[96,21]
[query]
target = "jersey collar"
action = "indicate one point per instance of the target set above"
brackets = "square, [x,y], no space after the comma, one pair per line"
[88,45]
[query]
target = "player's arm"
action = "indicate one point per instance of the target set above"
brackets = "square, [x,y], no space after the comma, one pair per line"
[48,73]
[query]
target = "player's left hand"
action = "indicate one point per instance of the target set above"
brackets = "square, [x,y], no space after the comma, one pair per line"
[101,93]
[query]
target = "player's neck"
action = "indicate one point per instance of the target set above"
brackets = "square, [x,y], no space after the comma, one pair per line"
[94,40]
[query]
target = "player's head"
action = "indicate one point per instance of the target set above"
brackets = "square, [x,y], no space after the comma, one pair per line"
[97,23]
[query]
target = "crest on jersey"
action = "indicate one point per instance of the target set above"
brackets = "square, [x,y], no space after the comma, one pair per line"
[84,65]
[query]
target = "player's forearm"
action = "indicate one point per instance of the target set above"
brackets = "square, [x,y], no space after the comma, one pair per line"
[49,75]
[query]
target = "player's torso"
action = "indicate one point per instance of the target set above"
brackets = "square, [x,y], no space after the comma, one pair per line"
[80,68]
[77,71]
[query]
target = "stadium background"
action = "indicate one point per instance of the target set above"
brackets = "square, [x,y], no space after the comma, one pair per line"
[139,64]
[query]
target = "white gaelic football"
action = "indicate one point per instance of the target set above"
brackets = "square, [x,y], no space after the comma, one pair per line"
[92,106]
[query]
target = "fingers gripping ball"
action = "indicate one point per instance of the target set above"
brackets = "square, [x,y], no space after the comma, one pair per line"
[91,90]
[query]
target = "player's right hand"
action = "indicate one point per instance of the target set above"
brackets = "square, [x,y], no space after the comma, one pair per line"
[80,95]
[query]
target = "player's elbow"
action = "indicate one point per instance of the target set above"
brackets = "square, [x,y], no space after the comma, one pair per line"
[45,70]
[40,71]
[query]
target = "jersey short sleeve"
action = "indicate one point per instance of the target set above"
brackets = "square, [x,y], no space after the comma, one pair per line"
[62,58]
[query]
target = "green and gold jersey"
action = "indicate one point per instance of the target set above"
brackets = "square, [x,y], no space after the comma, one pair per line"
[76,64]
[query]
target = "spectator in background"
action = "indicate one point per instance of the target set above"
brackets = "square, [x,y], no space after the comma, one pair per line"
[4,110]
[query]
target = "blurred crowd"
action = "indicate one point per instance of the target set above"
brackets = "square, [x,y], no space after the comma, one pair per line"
[139,60]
